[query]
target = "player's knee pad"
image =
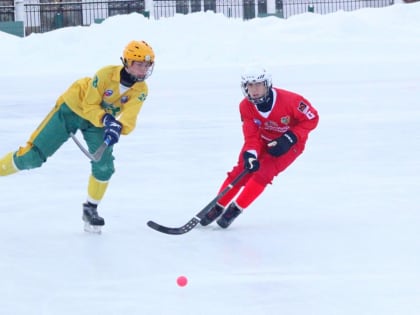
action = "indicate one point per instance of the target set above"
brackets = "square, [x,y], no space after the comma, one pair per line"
[103,170]
[32,158]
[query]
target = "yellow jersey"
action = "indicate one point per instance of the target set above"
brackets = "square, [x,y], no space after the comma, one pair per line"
[91,98]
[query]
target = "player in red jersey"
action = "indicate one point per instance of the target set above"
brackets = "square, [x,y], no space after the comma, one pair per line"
[275,126]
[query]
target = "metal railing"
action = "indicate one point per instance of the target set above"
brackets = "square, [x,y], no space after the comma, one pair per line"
[46,16]
[245,9]
[294,7]
[43,17]
[7,11]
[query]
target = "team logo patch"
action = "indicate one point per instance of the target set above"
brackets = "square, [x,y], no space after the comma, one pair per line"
[142,97]
[95,82]
[306,110]
[108,93]
[257,122]
[274,126]
[303,107]
[124,99]
[271,125]
[285,120]
[110,108]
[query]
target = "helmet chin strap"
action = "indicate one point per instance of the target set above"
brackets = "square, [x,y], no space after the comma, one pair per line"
[124,62]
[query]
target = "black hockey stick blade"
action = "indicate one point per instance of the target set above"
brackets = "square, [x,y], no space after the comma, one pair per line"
[195,220]
[174,231]
[187,226]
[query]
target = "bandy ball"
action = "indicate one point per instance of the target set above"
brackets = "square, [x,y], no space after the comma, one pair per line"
[182,281]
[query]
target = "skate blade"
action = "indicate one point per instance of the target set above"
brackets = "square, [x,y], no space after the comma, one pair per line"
[94,229]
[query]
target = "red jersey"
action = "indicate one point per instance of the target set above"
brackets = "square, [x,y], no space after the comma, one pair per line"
[290,111]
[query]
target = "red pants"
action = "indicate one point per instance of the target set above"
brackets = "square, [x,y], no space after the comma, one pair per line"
[253,184]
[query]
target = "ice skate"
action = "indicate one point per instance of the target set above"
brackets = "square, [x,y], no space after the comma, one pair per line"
[231,214]
[212,215]
[93,222]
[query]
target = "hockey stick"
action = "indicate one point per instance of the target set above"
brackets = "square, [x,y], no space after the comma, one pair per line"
[199,216]
[95,157]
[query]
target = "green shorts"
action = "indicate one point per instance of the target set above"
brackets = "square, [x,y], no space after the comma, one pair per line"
[53,131]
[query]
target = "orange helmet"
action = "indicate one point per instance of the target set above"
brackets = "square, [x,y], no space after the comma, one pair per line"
[138,51]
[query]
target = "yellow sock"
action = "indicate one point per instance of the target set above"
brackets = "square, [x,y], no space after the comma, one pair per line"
[96,190]
[7,166]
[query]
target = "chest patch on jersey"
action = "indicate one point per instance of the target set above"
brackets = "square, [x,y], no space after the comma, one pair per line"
[108,93]
[257,122]
[273,126]
[110,108]
[285,120]
[124,99]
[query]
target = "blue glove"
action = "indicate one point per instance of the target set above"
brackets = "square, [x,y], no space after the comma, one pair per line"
[112,129]
[251,162]
[282,144]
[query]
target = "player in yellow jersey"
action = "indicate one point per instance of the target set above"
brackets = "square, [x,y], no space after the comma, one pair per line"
[101,108]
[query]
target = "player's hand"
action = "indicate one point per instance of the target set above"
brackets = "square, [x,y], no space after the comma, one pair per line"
[282,144]
[112,129]
[251,162]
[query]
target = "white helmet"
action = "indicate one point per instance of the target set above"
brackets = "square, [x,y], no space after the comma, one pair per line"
[256,75]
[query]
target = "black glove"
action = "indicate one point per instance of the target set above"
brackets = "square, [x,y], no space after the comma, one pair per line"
[251,162]
[282,144]
[112,129]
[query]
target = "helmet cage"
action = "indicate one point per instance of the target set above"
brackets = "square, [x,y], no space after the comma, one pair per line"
[256,76]
[148,73]
[139,51]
